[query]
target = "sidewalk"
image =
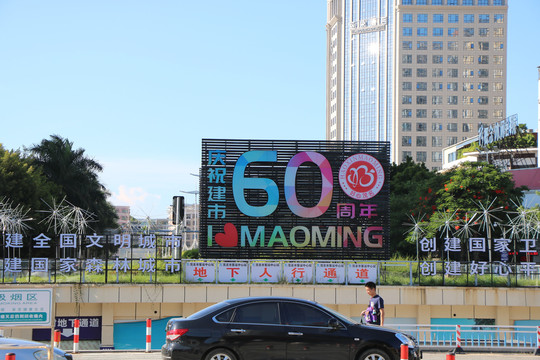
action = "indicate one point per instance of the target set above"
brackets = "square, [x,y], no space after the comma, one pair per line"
[156,355]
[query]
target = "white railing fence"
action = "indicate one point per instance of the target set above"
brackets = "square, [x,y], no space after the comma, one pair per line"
[474,337]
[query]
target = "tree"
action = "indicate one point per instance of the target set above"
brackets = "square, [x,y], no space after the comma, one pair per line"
[411,193]
[23,184]
[77,176]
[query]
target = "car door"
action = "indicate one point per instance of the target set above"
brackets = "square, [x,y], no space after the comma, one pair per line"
[255,332]
[309,335]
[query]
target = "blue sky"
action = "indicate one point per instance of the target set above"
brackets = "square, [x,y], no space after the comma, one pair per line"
[138,84]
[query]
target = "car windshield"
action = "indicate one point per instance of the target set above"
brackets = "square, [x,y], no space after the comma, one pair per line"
[338,315]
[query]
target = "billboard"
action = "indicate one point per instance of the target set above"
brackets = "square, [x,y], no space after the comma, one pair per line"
[286,199]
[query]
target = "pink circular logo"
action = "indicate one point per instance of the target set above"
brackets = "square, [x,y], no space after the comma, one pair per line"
[361,176]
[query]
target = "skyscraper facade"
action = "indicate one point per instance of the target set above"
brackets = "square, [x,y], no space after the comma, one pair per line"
[419,73]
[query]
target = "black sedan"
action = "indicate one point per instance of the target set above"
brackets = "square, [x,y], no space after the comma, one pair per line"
[279,328]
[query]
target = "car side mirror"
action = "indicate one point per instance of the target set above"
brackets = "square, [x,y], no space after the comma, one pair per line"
[333,323]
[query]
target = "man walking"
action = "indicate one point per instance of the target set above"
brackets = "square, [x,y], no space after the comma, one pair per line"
[374,314]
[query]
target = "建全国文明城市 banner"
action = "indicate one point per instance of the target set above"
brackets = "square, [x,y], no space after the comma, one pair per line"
[286,199]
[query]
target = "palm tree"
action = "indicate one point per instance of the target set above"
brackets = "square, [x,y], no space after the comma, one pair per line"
[77,175]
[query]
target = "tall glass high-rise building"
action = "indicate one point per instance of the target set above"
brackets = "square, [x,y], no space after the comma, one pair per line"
[419,73]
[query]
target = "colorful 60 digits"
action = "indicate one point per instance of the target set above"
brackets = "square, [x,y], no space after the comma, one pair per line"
[241,183]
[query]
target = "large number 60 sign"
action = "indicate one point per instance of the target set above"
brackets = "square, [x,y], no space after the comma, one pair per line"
[241,183]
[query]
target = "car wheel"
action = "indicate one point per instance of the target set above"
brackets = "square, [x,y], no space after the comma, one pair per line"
[220,354]
[375,354]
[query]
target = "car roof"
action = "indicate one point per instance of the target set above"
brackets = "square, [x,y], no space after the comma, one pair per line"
[266,298]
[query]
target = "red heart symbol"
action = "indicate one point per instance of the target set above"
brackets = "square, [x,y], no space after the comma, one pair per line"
[229,238]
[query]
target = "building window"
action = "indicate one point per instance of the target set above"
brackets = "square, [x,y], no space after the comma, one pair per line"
[482,114]
[452,100]
[438,31]
[468,73]
[421,45]
[467,127]
[453,45]
[453,31]
[436,2]
[452,114]
[483,2]
[468,32]
[468,59]
[406,45]
[483,45]
[421,31]
[451,140]
[483,18]
[498,86]
[468,100]
[452,86]
[468,18]
[421,2]
[421,100]
[468,2]
[436,127]
[436,114]
[483,86]
[452,59]
[468,45]
[498,114]
[499,3]
[437,45]
[483,100]
[421,141]
[452,73]
[499,32]
[421,18]
[437,72]
[438,18]
[497,59]
[406,113]
[497,100]
[421,72]
[405,155]
[467,114]
[407,31]
[436,156]
[406,126]
[406,2]
[499,45]
[483,59]
[436,86]
[421,86]
[483,32]
[436,100]
[406,99]
[498,18]
[407,18]
[483,73]
[453,2]
[406,72]
[453,18]
[406,59]
[406,86]
[437,59]
[421,126]
[421,156]
[436,141]
[421,114]
[468,86]
[406,141]
[497,74]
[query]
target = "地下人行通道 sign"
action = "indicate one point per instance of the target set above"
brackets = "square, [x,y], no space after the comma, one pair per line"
[25,307]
